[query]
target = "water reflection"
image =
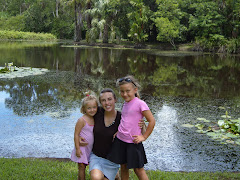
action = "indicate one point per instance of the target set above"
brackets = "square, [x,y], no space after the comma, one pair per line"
[40,112]
[39,95]
[165,140]
[177,74]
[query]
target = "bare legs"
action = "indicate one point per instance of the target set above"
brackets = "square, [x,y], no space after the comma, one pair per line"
[81,171]
[97,175]
[124,172]
[140,172]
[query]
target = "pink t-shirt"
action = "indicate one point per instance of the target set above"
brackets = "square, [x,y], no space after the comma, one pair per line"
[131,115]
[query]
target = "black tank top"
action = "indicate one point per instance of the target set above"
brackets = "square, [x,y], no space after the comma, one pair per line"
[103,136]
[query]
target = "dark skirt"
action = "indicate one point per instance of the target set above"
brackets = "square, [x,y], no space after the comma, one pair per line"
[127,153]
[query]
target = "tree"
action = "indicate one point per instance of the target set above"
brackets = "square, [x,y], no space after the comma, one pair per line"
[14,7]
[109,12]
[78,8]
[167,30]
[231,10]
[138,19]
[168,21]
[102,15]
[64,24]
[206,20]
[39,16]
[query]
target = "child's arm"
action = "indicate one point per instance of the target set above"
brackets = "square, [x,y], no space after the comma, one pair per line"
[151,123]
[79,125]
[82,141]
[142,125]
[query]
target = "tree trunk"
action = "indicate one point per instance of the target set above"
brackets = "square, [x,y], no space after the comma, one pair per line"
[78,23]
[57,7]
[105,31]
[89,18]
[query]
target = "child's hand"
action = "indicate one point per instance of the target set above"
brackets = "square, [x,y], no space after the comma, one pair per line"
[138,139]
[82,142]
[141,123]
[114,135]
[78,153]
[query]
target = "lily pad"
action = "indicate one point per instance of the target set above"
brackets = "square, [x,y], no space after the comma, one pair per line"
[199,126]
[230,141]
[225,116]
[206,120]
[212,134]
[237,141]
[235,120]
[215,135]
[187,125]
[201,131]
[221,122]
[22,72]
[201,119]
[232,135]
[225,137]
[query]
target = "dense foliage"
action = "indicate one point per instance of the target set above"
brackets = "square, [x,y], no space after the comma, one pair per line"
[19,35]
[212,25]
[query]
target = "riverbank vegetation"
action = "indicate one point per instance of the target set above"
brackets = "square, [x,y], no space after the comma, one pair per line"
[24,169]
[19,35]
[209,25]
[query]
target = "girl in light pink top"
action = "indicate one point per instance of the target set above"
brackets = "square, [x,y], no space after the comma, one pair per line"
[84,128]
[127,148]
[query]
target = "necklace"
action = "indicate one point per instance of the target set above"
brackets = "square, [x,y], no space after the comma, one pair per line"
[110,124]
[110,119]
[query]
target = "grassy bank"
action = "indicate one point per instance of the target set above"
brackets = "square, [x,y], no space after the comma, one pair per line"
[28,169]
[19,35]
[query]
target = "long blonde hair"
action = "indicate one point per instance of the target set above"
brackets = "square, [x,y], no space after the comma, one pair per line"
[129,79]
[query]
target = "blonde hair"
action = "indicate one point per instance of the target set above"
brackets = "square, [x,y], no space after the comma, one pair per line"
[86,100]
[129,79]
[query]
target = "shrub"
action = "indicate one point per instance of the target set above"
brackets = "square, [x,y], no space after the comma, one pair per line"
[233,45]
[214,41]
[15,23]
[19,35]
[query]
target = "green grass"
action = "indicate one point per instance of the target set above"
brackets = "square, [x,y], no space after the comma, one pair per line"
[29,169]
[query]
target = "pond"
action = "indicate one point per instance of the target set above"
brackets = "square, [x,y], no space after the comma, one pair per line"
[39,112]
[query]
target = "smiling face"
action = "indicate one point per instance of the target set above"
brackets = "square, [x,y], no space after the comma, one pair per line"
[107,101]
[91,108]
[128,91]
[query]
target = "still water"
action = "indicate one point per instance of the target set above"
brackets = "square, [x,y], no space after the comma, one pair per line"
[38,113]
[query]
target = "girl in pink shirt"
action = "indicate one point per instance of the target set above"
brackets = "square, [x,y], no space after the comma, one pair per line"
[127,148]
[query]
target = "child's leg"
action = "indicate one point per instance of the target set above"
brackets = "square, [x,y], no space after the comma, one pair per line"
[124,172]
[96,174]
[141,173]
[117,176]
[81,171]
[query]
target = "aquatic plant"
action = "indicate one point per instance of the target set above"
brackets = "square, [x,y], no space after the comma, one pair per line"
[9,72]
[7,68]
[4,70]
[230,125]
[225,131]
